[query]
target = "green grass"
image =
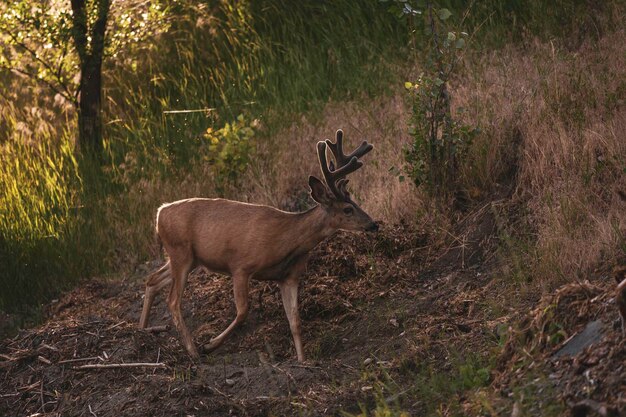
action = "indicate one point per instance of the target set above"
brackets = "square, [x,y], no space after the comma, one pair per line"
[39,212]
[430,388]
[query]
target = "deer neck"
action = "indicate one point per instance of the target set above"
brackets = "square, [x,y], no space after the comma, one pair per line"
[309,228]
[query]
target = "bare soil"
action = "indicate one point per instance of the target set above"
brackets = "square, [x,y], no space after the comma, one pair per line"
[377,310]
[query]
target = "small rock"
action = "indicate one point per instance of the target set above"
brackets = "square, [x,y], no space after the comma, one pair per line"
[593,333]
[367,361]
[230,382]
[367,388]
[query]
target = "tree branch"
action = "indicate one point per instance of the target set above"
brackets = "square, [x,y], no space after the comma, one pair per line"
[45,64]
[98,30]
[65,94]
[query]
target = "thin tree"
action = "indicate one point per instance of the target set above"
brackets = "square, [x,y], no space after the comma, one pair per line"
[89,41]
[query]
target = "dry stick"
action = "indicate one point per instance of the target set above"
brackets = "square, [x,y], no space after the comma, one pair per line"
[115,325]
[157,329]
[43,404]
[47,346]
[120,365]
[44,360]
[157,361]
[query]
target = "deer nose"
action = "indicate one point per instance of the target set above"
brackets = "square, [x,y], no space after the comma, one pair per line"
[373,227]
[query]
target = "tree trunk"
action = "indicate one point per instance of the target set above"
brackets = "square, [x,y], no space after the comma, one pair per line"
[90,41]
[89,120]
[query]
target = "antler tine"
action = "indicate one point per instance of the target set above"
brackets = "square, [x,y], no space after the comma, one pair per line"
[346,164]
[337,150]
[334,178]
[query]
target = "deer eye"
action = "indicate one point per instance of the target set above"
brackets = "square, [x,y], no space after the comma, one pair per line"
[348,210]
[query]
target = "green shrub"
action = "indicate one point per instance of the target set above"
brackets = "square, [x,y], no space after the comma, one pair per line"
[440,138]
[228,151]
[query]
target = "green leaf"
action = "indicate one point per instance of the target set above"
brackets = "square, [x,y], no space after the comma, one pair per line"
[451,36]
[460,43]
[444,14]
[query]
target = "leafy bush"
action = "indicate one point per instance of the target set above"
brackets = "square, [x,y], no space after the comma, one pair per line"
[439,138]
[228,151]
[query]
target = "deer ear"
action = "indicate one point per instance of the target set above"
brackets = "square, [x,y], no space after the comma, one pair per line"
[319,192]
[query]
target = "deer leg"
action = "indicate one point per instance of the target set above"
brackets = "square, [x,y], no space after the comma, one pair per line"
[155,283]
[240,288]
[289,293]
[180,267]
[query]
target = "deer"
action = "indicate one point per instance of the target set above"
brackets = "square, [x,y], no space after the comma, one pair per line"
[252,241]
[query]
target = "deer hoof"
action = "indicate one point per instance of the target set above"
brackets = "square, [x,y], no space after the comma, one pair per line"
[211,346]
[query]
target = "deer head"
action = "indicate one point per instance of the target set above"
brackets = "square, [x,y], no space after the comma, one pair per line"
[333,196]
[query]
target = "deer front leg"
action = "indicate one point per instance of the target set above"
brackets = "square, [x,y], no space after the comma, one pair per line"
[240,289]
[289,293]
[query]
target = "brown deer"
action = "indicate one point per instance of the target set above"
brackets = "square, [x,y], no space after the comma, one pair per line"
[254,241]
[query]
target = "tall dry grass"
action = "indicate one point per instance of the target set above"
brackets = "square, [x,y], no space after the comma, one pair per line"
[554,122]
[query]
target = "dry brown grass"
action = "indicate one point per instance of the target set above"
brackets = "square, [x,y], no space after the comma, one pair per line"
[381,121]
[558,117]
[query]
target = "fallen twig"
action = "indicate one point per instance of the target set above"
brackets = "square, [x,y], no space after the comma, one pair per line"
[157,329]
[288,375]
[44,360]
[47,346]
[115,325]
[119,365]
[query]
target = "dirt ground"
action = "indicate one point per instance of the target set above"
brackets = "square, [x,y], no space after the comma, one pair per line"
[377,311]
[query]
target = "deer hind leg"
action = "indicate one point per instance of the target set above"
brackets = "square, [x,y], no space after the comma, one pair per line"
[155,283]
[289,293]
[240,289]
[181,263]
